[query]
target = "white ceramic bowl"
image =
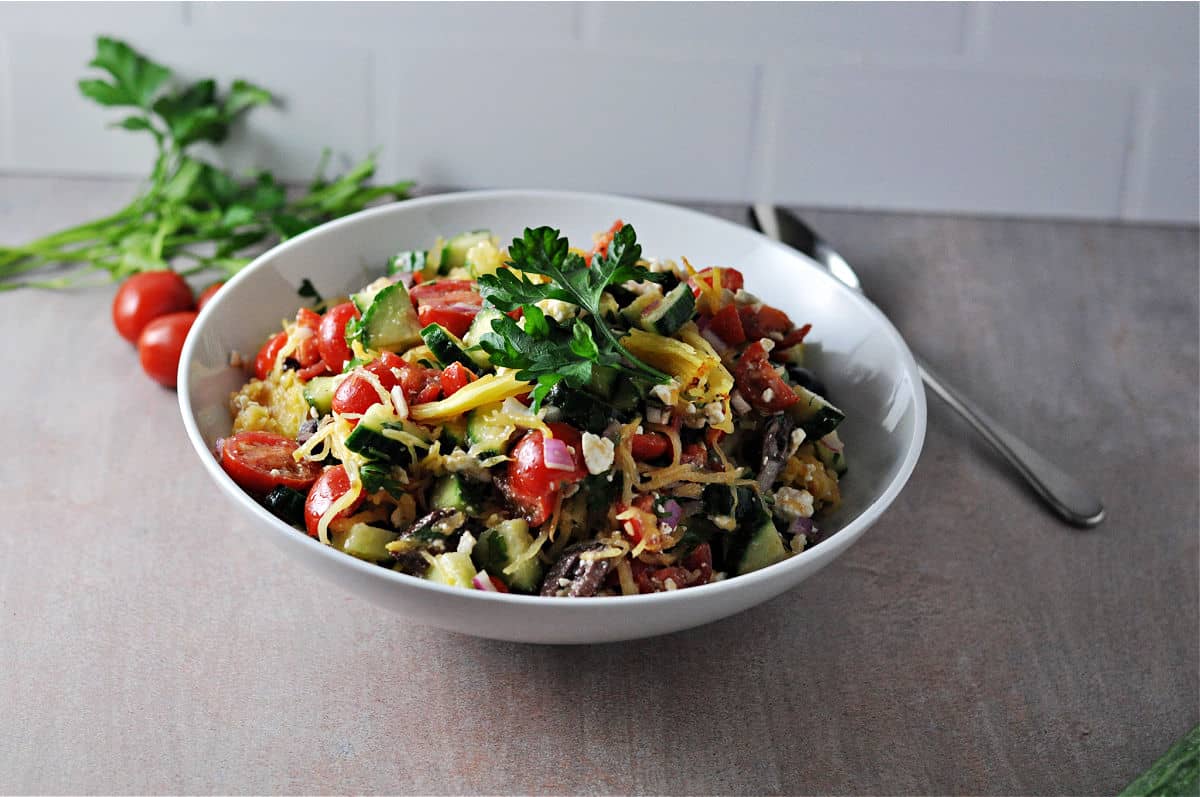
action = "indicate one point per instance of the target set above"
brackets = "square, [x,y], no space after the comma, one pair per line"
[864,361]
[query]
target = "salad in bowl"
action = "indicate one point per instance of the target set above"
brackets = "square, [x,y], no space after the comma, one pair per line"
[543,419]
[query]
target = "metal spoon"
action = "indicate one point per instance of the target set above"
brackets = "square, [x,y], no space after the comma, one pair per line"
[1067,497]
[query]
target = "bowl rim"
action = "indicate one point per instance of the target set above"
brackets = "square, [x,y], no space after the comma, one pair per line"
[828,549]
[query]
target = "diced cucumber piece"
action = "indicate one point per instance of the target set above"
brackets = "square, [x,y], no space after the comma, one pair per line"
[500,547]
[365,542]
[407,261]
[816,415]
[764,548]
[389,323]
[675,310]
[362,300]
[318,392]
[454,569]
[831,452]
[286,504]
[482,325]
[455,253]
[380,435]
[487,436]
[454,435]
[454,491]
[792,355]
[448,349]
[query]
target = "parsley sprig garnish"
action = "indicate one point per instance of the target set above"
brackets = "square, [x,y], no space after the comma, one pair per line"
[190,215]
[548,354]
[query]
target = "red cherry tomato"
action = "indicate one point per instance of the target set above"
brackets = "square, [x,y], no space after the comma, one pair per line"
[451,303]
[319,368]
[260,461]
[355,394]
[694,454]
[603,242]
[265,360]
[652,445]
[207,294]
[308,350]
[531,486]
[161,343]
[146,296]
[731,278]
[331,335]
[764,321]
[331,485]
[700,559]
[728,326]
[790,339]
[454,378]
[760,384]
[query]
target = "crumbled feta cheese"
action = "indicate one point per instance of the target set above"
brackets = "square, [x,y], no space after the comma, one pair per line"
[560,311]
[598,453]
[767,343]
[798,543]
[641,288]
[791,503]
[724,522]
[668,394]
[746,298]
[661,266]
[714,412]
[768,396]
[797,438]
[466,543]
[740,406]
[459,461]
[657,414]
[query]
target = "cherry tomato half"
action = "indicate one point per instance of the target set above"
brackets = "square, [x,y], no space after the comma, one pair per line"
[207,294]
[727,325]
[731,279]
[451,303]
[355,394]
[651,445]
[331,485]
[161,343]
[764,321]
[761,385]
[265,360]
[455,378]
[331,335]
[531,486]
[146,296]
[261,461]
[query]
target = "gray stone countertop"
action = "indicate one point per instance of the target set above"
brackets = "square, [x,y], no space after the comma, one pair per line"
[151,641]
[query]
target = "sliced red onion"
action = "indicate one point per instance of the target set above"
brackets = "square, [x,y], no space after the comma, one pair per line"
[483,581]
[714,340]
[673,512]
[557,455]
[802,525]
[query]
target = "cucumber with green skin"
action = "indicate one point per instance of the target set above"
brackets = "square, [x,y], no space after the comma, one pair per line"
[500,547]
[447,348]
[1176,773]
[388,323]
[816,416]
[318,392]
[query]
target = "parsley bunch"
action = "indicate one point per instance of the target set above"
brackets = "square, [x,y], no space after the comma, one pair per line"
[190,212]
[548,354]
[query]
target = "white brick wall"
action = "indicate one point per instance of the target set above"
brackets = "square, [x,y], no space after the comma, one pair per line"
[1081,110]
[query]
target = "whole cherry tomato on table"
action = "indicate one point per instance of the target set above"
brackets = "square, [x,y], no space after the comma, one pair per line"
[532,486]
[146,296]
[207,294]
[261,461]
[331,485]
[161,343]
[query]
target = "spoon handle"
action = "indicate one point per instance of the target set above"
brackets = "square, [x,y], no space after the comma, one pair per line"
[1067,497]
